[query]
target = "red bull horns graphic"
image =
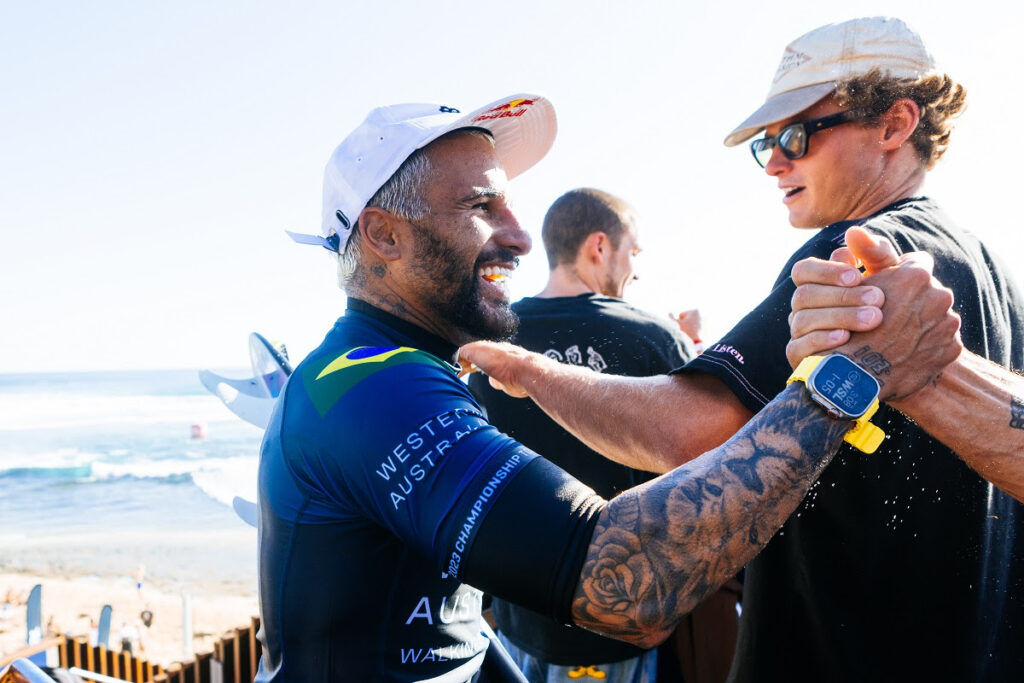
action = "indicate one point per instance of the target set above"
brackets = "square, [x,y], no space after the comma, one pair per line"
[506,111]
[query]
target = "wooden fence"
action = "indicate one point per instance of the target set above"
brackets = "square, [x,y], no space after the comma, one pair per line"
[234,660]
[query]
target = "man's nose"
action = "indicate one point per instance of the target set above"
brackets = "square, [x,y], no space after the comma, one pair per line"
[511,235]
[777,162]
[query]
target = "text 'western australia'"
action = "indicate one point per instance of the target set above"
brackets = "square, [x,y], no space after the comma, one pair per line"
[412,459]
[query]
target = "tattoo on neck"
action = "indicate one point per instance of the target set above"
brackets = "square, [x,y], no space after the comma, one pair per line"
[1016,413]
[357,280]
[380,270]
[391,303]
[660,548]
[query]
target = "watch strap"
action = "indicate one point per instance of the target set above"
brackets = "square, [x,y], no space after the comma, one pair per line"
[804,369]
[865,436]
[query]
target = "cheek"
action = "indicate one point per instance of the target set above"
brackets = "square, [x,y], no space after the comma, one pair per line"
[481,231]
[853,162]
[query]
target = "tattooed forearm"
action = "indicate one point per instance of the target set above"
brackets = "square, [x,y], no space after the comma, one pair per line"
[660,548]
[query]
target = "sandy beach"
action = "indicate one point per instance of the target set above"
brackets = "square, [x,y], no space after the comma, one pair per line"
[216,569]
[99,474]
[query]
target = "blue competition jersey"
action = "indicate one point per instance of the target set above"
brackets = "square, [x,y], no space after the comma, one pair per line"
[377,472]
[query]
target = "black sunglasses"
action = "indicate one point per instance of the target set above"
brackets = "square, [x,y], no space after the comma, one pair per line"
[792,139]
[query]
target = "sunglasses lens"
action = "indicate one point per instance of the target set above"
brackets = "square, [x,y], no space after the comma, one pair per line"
[762,150]
[793,141]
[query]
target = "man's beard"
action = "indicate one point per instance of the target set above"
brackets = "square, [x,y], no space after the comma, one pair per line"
[458,300]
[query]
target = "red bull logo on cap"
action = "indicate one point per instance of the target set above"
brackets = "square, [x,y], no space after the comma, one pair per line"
[506,111]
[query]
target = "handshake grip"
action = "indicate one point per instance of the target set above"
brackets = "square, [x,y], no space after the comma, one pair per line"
[835,308]
[919,335]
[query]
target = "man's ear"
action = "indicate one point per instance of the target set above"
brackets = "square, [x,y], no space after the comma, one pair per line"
[596,247]
[378,231]
[899,123]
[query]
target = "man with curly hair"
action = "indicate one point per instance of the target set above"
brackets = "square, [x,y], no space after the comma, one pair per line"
[904,565]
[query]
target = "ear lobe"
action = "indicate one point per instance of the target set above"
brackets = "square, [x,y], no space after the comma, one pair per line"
[377,228]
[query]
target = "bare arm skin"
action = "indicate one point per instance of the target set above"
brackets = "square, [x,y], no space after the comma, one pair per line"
[974,407]
[648,423]
[662,547]
[977,409]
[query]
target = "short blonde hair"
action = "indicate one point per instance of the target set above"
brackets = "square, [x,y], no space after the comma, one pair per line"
[939,97]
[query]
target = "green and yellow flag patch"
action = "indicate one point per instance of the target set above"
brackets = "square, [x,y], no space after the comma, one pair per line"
[328,380]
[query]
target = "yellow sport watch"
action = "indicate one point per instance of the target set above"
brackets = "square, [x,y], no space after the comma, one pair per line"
[846,392]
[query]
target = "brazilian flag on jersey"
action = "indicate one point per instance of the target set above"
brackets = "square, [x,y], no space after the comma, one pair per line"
[328,379]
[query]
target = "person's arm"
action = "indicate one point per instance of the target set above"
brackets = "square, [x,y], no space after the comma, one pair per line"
[648,423]
[977,409]
[974,407]
[662,547]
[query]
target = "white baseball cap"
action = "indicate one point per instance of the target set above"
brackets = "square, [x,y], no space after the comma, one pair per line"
[814,64]
[523,127]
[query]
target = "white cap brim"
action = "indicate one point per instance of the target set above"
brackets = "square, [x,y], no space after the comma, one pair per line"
[777,108]
[523,126]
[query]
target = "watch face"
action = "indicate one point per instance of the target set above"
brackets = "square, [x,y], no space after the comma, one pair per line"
[843,387]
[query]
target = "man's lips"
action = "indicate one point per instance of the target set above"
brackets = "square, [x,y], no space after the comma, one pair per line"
[791,192]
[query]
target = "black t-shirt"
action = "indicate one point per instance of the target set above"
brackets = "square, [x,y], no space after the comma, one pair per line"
[607,335]
[387,503]
[903,565]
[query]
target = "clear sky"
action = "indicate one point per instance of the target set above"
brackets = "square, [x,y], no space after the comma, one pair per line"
[153,153]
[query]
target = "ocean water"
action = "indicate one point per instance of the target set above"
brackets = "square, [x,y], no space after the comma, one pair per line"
[100,472]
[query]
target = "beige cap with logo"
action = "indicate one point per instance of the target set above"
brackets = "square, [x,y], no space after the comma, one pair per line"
[816,62]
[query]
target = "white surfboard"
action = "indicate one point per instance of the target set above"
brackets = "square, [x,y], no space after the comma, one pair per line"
[253,398]
[270,366]
[245,509]
[243,397]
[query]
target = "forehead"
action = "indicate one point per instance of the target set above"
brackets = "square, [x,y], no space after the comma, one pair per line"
[464,159]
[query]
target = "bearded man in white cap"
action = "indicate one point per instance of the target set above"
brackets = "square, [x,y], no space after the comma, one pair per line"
[384,493]
[901,565]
